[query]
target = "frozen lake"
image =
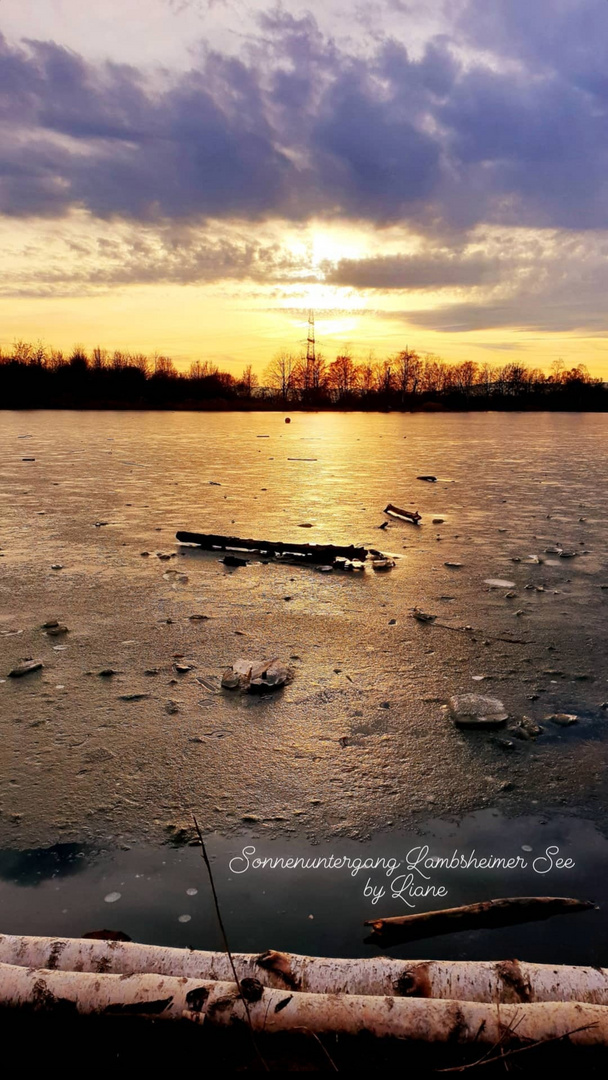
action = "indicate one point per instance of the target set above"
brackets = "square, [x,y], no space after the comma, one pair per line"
[360,741]
[359,738]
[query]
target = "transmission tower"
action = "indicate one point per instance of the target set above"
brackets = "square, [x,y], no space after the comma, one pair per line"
[310,343]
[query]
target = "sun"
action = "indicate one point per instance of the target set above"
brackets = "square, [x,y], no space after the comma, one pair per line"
[332,243]
[337,308]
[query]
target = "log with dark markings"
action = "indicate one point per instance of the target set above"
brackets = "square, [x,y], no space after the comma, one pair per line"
[314,553]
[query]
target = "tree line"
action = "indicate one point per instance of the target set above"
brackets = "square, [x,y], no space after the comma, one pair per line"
[34,376]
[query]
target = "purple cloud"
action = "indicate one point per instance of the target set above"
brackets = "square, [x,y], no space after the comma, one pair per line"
[298,126]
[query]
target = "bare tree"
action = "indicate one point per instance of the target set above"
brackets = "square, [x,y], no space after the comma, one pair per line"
[465,376]
[486,377]
[279,375]
[407,368]
[202,369]
[248,381]
[164,366]
[431,379]
[385,377]
[580,374]
[22,352]
[140,361]
[99,358]
[310,376]
[366,374]
[343,376]
[557,368]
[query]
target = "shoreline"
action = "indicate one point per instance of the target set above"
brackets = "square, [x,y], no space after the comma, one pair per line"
[424,408]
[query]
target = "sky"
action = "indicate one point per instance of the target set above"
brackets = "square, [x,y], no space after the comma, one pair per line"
[190,177]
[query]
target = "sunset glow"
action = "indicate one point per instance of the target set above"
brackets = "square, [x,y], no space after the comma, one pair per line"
[191,178]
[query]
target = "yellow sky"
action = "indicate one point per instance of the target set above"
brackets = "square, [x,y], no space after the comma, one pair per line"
[75,280]
[192,322]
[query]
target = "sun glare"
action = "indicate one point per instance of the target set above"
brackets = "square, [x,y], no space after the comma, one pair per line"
[333,244]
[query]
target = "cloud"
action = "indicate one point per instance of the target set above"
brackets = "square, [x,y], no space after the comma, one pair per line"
[563,37]
[105,138]
[496,125]
[543,313]
[298,125]
[502,346]
[562,304]
[543,281]
[435,270]
[80,256]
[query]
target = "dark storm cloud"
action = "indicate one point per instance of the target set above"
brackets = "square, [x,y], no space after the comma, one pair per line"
[299,125]
[371,161]
[105,139]
[533,156]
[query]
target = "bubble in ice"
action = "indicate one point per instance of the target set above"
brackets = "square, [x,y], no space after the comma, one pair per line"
[184,918]
[112,897]
[191,892]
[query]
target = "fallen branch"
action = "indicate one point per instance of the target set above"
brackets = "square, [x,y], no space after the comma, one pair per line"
[313,553]
[489,914]
[219,1003]
[402,515]
[482,981]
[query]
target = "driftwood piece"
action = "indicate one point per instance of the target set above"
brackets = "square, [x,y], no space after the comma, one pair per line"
[489,914]
[219,1003]
[403,515]
[314,553]
[461,980]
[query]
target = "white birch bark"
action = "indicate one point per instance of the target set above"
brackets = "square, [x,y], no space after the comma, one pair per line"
[423,1020]
[481,981]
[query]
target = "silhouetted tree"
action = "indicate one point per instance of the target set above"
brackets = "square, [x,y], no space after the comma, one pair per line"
[343,377]
[33,375]
[279,374]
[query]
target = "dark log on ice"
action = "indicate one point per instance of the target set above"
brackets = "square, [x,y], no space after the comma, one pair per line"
[406,515]
[489,914]
[314,553]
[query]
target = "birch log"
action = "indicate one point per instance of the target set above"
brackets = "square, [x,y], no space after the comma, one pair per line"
[481,981]
[427,1021]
